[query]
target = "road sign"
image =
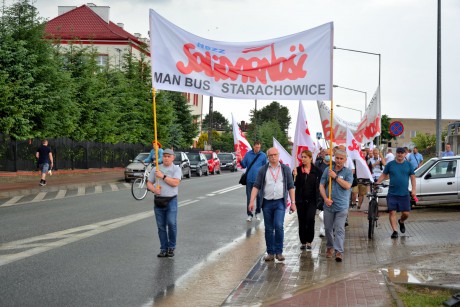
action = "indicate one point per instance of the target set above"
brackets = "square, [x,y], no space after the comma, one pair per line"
[396,128]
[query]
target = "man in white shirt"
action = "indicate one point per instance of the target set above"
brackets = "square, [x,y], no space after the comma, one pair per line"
[390,156]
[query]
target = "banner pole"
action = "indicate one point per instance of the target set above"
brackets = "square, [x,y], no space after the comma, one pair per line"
[154,109]
[330,148]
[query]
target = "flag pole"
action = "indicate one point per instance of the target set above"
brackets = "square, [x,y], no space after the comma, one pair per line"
[154,109]
[330,148]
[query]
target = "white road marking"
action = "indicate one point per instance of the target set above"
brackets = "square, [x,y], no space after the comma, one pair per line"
[39,197]
[61,194]
[210,195]
[81,191]
[12,201]
[114,187]
[39,244]
[228,190]
[126,184]
[98,189]
[232,187]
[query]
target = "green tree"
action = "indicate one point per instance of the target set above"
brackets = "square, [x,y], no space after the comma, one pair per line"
[386,136]
[218,121]
[273,111]
[271,129]
[224,142]
[185,121]
[38,101]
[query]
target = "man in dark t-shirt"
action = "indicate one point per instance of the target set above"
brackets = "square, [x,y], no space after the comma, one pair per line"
[45,160]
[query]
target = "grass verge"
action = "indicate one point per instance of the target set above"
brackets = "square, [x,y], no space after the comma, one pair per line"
[413,295]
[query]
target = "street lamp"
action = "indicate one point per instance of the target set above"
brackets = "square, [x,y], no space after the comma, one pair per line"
[350,89]
[360,112]
[372,53]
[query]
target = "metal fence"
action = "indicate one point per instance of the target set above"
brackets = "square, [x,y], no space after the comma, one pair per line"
[68,154]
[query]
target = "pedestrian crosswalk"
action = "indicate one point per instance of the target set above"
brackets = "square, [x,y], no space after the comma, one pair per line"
[63,193]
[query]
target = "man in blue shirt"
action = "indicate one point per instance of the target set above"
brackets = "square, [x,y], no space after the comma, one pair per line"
[398,198]
[415,158]
[336,207]
[448,152]
[249,157]
[151,157]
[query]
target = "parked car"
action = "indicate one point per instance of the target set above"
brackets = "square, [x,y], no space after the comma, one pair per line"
[136,167]
[437,182]
[227,161]
[213,161]
[198,163]
[183,162]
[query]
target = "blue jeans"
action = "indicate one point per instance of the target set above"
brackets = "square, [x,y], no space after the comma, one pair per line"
[167,224]
[334,223]
[249,186]
[274,211]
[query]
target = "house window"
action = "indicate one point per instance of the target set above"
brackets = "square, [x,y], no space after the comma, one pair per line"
[402,135]
[413,134]
[101,60]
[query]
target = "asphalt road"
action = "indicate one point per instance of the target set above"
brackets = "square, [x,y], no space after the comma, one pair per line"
[100,249]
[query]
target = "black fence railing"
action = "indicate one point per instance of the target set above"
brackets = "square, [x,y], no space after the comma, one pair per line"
[68,154]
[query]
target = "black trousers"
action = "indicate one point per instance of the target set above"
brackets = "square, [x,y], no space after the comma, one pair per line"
[306,211]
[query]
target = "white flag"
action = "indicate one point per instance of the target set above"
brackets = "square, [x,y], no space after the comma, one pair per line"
[285,157]
[240,142]
[302,139]
[354,153]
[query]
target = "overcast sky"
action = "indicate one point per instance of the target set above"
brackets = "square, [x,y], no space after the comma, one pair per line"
[402,31]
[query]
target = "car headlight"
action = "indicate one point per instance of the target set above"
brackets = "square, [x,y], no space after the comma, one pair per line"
[128,170]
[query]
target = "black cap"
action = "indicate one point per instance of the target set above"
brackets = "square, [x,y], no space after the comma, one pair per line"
[400,150]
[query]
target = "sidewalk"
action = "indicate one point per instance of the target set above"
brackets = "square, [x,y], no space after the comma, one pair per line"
[427,254]
[24,183]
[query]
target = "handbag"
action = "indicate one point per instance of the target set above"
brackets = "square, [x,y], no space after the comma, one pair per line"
[162,201]
[244,176]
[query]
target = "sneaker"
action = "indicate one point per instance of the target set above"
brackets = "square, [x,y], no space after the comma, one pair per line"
[308,245]
[346,222]
[249,219]
[338,256]
[394,235]
[329,252]
[280,257]
[269,257]
[258,217]
[359,207]
[402,227]
[41,182]
[44,183]
[162,254]
[303,246]
[170,252]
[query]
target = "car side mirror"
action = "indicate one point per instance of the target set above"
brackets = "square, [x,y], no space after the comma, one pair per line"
[130,161]
[428,176]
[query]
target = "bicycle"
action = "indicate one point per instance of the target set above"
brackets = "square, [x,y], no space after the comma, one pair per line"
[139,186]
[373,210]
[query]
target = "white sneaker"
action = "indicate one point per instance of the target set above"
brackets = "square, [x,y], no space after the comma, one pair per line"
[258,217]
[249,219]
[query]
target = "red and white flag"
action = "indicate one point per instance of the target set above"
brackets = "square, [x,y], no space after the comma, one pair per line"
[302,139]
[240,142]
[285,157]
[354,153]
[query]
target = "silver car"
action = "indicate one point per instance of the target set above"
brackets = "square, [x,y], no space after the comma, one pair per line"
[136,168]
[437,182]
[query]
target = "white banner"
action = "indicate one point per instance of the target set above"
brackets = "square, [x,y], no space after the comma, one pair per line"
[240,142]
[297,66]
[354,153]
[302,137]
[364,131]
[285,157]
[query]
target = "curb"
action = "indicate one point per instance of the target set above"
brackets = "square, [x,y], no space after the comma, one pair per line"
[391,289]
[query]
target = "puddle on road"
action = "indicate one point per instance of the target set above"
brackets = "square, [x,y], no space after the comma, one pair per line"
[423,277]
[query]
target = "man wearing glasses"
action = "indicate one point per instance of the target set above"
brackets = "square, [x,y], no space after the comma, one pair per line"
[273,183]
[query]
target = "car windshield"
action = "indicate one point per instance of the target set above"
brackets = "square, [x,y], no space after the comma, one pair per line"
[225,156]
[419,172]
[194,157]
[208,156]
[141,157]
[178,157]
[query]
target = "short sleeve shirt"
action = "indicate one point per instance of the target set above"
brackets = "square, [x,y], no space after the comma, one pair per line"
[340,196]
[172,171]
[43,154]
[399,177]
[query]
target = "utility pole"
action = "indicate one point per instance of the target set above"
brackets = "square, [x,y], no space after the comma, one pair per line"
[438,88]
[255,121]
[210,122]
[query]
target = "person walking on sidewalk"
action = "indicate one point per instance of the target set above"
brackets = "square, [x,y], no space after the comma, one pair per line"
[273,183]
[306,182]
[398,198]
[336,208]
[164,183]
[45,160]
[255,159]
[416,158]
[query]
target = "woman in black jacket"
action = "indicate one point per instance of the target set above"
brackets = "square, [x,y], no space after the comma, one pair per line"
[306,181]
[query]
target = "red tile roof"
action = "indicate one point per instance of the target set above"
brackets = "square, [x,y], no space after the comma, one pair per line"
[84,24]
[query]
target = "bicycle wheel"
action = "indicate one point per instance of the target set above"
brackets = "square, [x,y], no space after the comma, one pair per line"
[370,233]
[139,188]
[372,215]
